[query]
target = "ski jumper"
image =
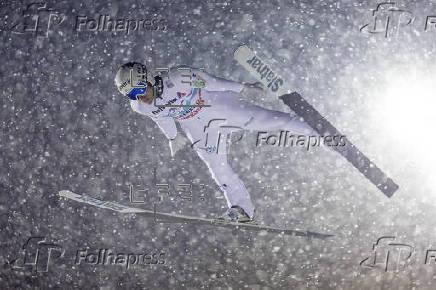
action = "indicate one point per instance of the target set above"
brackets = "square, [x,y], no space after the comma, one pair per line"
[208,127]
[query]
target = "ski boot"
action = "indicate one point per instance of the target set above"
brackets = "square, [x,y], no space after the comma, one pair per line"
[236,214]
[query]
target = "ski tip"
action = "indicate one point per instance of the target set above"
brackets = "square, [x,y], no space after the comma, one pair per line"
[241,48]
[64,193]
[67,193]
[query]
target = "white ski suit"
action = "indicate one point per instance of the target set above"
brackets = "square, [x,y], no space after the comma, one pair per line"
[208,127]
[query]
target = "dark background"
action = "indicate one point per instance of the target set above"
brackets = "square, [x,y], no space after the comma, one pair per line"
[65,126]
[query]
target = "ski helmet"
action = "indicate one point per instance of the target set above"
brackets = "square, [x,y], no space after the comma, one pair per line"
[131,80]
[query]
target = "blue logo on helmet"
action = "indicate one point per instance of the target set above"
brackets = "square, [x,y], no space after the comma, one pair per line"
[136,92]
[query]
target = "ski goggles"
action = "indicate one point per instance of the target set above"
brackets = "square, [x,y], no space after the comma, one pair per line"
[138,91]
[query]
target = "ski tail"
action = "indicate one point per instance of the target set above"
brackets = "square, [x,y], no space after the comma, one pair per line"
[353,155]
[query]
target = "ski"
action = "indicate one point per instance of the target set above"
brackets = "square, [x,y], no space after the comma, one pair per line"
[178,218]
[275,84]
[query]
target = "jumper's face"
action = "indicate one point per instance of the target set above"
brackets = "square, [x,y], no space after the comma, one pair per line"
[149,96]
